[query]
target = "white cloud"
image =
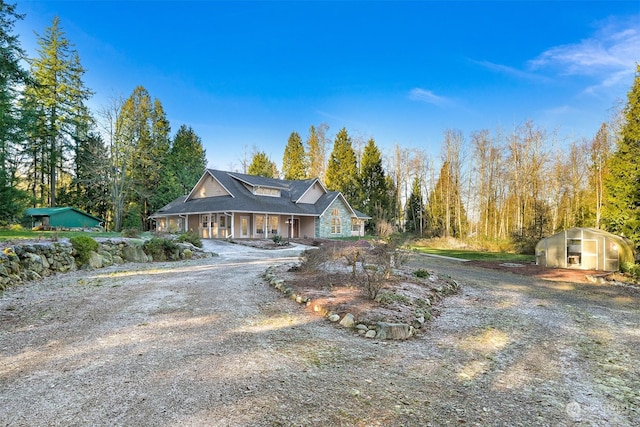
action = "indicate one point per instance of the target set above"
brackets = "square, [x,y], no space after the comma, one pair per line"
[424,95]
[610,54]
[510,71]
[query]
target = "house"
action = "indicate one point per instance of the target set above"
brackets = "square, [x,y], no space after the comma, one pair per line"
[235,205]
[585,249]
[62,217]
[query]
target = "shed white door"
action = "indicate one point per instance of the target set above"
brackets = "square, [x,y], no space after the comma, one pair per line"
[590,254]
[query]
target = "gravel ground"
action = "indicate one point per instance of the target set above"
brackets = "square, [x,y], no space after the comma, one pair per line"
[207,343]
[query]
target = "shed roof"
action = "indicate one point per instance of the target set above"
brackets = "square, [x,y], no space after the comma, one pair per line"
[38,212]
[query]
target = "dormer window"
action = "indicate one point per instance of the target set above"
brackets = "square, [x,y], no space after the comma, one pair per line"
[264,191]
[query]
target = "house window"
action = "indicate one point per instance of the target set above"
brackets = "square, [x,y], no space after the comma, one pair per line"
[261,191]
[260,225]
[204,219]
[223,221]
[336,222]
[355,225]
[273,224]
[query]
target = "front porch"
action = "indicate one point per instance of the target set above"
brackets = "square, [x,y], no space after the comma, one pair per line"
[239,225]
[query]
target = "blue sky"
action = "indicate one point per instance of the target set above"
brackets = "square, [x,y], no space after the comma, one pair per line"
[247,74]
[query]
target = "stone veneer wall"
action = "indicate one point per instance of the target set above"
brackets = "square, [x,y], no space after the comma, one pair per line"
[32,261]
[323,225]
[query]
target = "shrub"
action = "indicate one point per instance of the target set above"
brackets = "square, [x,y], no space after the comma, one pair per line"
[631,269]
[421,273]
[133,233]
[311,259]
[377,263]
[384,229]
[388,298]
[83,245]
[161,249]
[191,237]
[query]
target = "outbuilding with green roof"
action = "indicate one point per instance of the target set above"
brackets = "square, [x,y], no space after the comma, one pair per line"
[62,217]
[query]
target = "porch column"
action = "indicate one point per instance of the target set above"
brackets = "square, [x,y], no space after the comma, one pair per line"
[291,227]
[232,225]
[266,225]
[210,221]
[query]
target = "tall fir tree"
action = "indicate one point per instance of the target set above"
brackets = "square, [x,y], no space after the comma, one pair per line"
[415,213]
[60,93]
[622,196]
[143,123]
[261,165]
[316,144]
[187,159]
[342,169]
[374,192]
[294,162]
[89,189]
[12,76]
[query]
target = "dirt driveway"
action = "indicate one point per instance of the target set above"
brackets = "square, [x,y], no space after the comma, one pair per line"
[206,343]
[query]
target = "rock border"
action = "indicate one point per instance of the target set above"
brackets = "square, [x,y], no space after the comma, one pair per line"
[379,330]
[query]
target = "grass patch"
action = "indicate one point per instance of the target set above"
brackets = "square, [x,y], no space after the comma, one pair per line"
[50,235]
[476,255]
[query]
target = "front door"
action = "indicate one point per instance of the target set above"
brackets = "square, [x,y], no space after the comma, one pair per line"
[244,226]
[204,226]
[293,226]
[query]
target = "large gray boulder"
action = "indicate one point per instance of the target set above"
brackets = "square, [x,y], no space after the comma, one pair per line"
[394,331]
[134,254]
[95,260]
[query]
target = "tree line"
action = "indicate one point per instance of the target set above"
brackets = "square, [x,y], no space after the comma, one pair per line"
[512,187]
[123,163]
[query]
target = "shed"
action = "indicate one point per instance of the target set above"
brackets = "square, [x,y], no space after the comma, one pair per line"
[63,217]
[584,249]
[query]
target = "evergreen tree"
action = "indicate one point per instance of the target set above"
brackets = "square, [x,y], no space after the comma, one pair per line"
[143,123]
[342,169]
[415,212]
[622,196]
[12,76]
[374,192]
[316,143]
[60,93]
[294,164]
[187,159]
[261,165]
[89,189]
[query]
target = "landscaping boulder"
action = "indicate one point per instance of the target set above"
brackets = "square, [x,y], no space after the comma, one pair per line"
[394,331]
[134,254]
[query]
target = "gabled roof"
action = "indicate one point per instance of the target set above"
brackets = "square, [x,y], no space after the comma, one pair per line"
[207,172]
[240,199]
[37,212]
[304,187]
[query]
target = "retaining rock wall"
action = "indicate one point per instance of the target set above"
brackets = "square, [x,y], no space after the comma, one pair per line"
[32,261]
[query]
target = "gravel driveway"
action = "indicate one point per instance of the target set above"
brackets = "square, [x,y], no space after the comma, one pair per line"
[206,343]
